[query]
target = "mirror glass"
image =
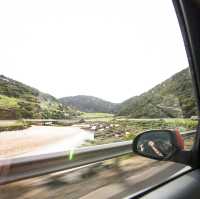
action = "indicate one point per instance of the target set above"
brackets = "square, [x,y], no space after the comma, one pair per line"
[155,144]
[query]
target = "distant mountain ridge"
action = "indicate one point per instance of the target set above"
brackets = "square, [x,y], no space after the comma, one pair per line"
[18,100]
[86,103]
[172,98]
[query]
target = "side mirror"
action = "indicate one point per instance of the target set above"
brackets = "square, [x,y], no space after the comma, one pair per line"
[158,144]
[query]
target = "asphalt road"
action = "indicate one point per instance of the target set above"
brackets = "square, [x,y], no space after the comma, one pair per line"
[125,178]
[136,182]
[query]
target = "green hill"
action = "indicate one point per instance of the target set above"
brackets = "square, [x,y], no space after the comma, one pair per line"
[89,104]
[18,100]
[172,98]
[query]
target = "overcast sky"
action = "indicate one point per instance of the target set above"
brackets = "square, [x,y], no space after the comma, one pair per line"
[113,49]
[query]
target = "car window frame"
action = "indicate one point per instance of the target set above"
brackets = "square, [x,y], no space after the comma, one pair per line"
[188,12]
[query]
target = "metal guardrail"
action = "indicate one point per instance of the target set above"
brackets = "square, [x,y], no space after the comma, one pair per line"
[26,167]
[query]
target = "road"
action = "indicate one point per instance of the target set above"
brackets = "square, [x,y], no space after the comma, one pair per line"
[107,181]
[130,184]
[40,140]
[104,181]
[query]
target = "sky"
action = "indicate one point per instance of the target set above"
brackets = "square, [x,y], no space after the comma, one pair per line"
[112,49]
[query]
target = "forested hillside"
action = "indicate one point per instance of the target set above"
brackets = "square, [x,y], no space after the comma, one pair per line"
[172,98]
[89,104]
[18,100]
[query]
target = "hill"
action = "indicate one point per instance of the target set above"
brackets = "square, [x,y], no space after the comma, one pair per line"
[89,104]
[18,100]
[172,98]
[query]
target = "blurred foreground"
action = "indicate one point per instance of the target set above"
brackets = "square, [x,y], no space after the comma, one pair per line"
[114,178]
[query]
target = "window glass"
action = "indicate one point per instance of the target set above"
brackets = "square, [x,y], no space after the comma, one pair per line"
[78,74]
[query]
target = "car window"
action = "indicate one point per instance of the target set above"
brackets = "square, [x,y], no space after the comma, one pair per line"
[76,75]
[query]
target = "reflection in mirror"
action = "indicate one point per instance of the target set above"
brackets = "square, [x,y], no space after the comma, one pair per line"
[155,144]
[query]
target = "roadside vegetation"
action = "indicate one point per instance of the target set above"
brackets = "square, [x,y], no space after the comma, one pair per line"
[97,116]
[121,129]
[13,125]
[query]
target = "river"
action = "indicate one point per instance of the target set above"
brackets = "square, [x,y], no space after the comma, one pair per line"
[41,140]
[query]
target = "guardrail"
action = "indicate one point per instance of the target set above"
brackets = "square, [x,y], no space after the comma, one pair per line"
[26,167]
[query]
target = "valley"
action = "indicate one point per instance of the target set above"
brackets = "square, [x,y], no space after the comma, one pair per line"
[169,105]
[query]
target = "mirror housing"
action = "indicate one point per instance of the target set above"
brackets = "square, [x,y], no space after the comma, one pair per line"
[158,144]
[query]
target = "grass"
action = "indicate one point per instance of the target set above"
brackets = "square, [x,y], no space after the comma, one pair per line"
[8,102]
[13,125]
[142,125]
[182,124]
[49,105]
[96,115]
[120,129]
[99,119]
